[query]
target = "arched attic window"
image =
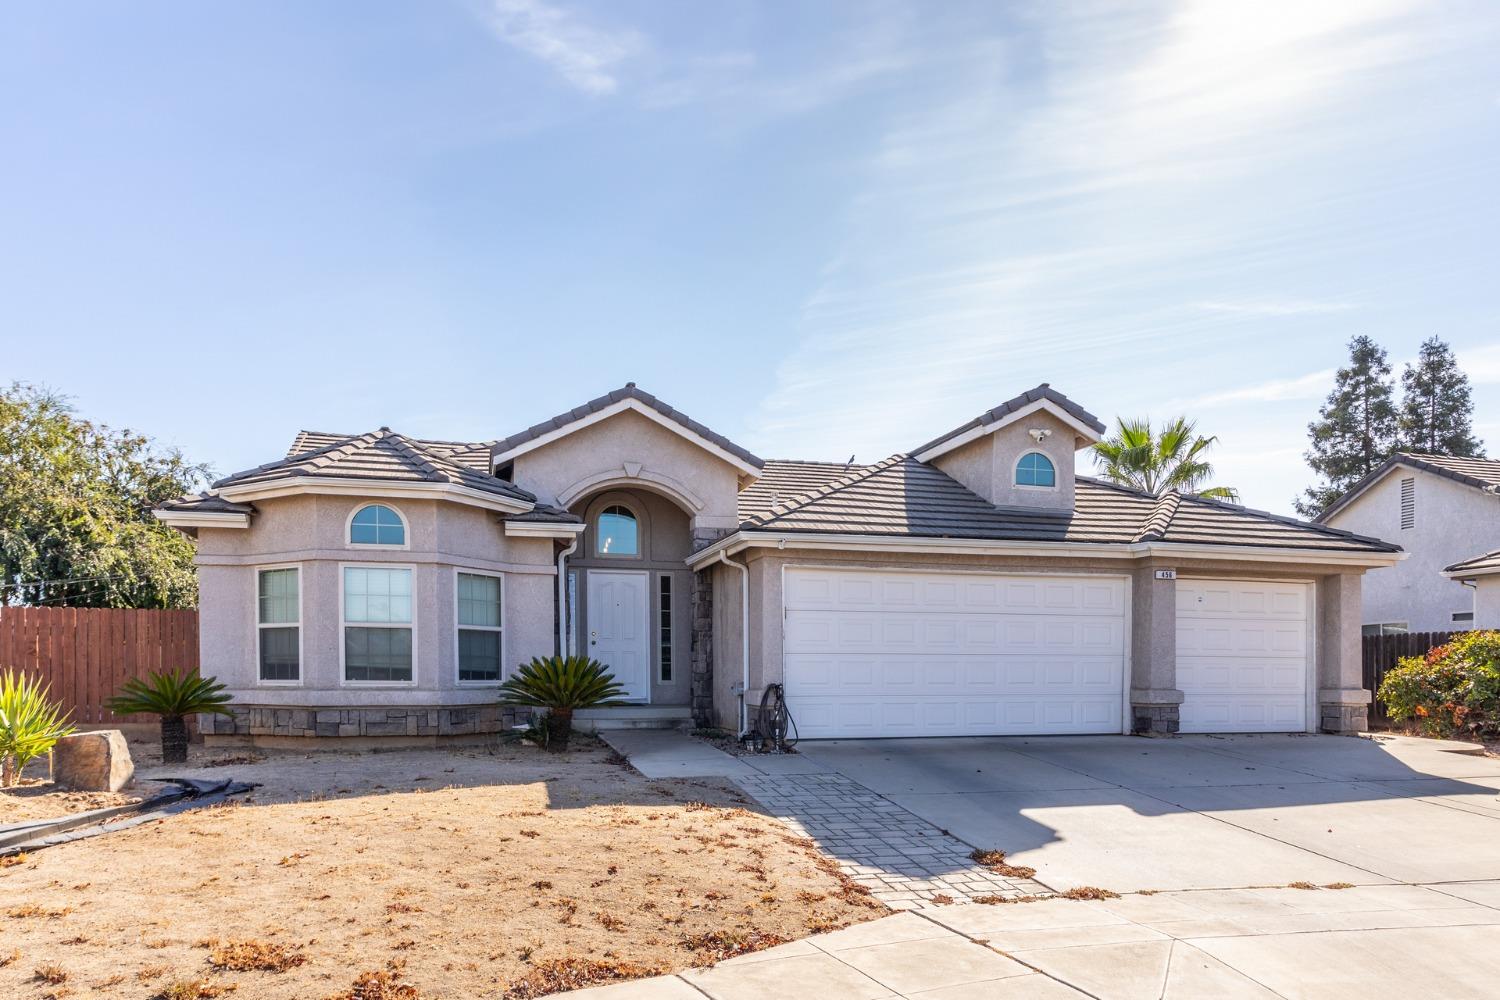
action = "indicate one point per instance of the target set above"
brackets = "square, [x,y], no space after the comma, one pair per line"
[377,524]
[1035,469]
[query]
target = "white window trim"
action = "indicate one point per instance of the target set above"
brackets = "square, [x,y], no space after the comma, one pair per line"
[640,534]
[343,625]
[371,546]
[1015,472]
[259,625]
[459,627]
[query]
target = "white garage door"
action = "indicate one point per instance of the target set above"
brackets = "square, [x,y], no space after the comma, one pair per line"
[1242,656]
[941,654]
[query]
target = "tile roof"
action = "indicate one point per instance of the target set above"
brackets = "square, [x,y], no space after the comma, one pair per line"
[474,454]
[1487,563]
[382,456]
[628,391]
[1480,473]
[786,479]
[206,503]
[903,497]
[1043,391]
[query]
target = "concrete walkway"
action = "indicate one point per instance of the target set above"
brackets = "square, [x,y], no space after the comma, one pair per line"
[1362,943]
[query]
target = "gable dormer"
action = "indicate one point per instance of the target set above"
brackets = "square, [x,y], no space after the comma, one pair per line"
[1019,454]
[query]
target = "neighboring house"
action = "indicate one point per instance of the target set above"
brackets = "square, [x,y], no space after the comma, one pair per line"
[1441,511]
[377,585]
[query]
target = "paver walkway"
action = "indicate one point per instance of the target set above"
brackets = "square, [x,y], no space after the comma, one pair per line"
[905,861]
[1364,943]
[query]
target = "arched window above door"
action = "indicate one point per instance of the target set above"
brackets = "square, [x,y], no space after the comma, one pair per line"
[617,532]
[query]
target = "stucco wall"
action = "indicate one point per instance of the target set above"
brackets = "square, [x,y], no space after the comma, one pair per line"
[1487,602]
[1453,522]
[310,532]
[669,463]
[988,465]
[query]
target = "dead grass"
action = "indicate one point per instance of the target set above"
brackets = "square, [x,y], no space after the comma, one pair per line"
[995,862]
[1088,892]
[36,799]
[624,878]
[1339,885]
[1300,885]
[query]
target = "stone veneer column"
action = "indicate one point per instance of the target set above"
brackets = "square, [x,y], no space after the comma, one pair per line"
[701,652]
[1154,698]
[1343,702]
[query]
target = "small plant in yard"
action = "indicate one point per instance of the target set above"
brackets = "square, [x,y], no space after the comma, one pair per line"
[173,696]
[255,956]
[1451,692]
[30,724]
[561,685]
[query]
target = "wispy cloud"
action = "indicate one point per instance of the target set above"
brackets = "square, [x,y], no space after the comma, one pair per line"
[585,55]
[1276,307]
[1314,385]
[1042,205]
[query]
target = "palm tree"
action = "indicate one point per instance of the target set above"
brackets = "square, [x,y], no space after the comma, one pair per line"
[173,696]
[1159,462]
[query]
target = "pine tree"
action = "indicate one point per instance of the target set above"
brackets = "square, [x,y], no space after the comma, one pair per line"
[1356,427]
[1437,407]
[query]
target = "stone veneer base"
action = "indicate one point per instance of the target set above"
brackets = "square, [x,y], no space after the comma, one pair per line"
[1341,718]
[1154,720]
[315,722]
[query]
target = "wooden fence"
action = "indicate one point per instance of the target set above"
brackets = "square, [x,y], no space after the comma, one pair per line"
[1381,653]
[85,654]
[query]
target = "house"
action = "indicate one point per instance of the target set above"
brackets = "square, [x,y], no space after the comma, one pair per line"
[378,585]
[1443,512]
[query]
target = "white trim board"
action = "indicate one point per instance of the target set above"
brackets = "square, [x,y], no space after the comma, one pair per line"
[1084,431]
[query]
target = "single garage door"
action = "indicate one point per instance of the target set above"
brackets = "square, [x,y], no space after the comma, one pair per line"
[944,654]
[1242,656]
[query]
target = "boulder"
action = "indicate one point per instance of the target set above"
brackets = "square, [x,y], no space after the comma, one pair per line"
[93,762]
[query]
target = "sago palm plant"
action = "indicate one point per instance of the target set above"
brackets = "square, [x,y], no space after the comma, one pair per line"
[30,724]
[1171,460]
[561,684]
[173,696]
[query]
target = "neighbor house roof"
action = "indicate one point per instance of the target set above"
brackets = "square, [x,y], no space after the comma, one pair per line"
[904,497]
[1043,393]
[627,396]
[1483,565]
[379,456]
[1480,473]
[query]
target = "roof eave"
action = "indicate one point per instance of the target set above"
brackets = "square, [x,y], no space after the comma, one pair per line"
[745,467]
[395,489]
[943,445]
[201,518]
[745,539]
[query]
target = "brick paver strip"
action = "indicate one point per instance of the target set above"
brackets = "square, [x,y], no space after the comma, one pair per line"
[904,860]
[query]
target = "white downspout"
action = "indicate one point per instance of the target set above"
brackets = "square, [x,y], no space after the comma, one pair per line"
[562,596]
[744,639]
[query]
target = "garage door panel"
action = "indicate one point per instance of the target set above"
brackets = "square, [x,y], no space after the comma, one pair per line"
[834,590]
[897,654]
[1242,656]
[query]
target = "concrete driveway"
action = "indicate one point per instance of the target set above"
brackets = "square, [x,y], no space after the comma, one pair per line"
[1197,812]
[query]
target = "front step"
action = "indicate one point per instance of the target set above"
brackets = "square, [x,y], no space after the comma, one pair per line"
[593,720]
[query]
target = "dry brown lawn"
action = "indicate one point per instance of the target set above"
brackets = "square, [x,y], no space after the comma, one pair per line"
[506,872]
[36,798]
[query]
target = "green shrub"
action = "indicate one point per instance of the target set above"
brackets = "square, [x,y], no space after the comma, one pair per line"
[1451,692]
[30,724]
[561,684]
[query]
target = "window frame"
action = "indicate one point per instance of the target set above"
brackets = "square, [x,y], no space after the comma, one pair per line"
[344,625]
[640,540]
[349,542]
[458,627]
[1015,472]
[301,634]
[666,622]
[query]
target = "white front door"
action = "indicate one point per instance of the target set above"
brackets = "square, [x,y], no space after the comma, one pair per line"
[874,653]
[1242,656]
[617,628]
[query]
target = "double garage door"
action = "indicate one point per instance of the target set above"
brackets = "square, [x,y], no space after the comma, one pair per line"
[882,654]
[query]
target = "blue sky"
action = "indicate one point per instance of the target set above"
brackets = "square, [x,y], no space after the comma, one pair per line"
[821,229]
